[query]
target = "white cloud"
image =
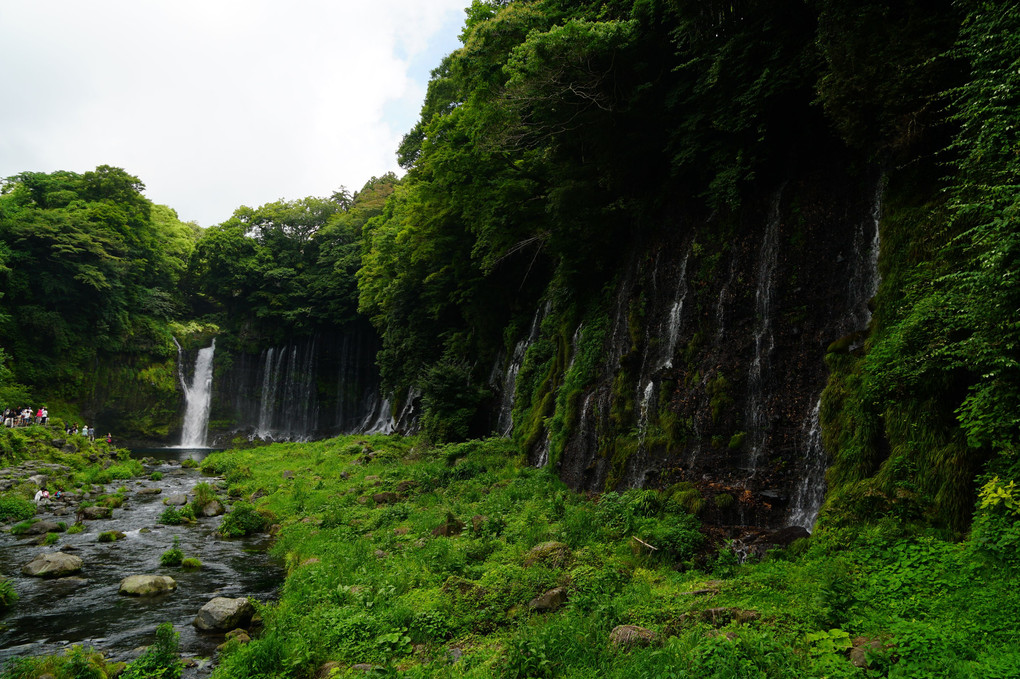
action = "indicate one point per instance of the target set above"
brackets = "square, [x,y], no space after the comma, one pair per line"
[217,103]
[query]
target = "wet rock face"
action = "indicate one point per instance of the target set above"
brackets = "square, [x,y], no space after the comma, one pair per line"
[712,360]
[52,565]
[224,614]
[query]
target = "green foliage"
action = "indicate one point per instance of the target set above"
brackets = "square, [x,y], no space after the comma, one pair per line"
[110,263]
[161,660]
[173,556]
[22,527]
[191,563]
[14,507]
[171,516]
[7,594]
[243,520]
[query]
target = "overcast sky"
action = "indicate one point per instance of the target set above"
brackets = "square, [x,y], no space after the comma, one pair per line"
[215,104]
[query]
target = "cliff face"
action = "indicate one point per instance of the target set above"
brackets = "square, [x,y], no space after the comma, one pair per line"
[710,355]
[311,387]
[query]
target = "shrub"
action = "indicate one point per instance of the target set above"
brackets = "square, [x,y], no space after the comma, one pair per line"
[13,507]
[110,536]
[156,476]
[189,463]
[204,494]
[173,556]
[49,539]
[171,517]
[192,563]
[243,520]
[161,660]
[111,501]
[76,528]
[83,664]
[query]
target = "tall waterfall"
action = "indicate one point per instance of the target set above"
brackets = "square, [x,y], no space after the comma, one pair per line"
[863,284]
[505,422]
[197,396]
[763,338]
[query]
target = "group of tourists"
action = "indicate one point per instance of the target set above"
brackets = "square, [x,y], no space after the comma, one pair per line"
[22,418]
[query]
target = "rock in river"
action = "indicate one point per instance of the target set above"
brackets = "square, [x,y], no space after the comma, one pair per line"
[224,614]
[52,565]
[43,527]
[147,585]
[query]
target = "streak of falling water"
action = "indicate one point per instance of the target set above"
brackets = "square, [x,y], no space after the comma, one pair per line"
[764,340]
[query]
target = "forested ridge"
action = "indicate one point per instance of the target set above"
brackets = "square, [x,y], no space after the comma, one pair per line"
[638,230]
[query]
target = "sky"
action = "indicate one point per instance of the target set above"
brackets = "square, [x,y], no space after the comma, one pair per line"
[215,104]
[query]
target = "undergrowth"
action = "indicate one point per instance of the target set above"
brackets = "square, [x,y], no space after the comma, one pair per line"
[420,562]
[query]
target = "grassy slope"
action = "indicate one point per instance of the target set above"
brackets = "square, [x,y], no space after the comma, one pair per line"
[369,583]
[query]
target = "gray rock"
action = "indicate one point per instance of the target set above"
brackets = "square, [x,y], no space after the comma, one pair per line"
[177,499]
[147,585]
[554,554]
[549,601]
[631,636]
[213,508]
[52,565]
[148,491]
[224,614]
[97,512]
[43,527]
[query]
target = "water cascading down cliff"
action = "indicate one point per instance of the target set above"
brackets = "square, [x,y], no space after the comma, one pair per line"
[312,387]
[711,356]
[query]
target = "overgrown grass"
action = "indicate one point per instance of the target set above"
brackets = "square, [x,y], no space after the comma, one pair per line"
[369,580]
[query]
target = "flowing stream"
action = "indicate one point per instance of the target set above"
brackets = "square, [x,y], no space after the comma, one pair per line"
[52,614]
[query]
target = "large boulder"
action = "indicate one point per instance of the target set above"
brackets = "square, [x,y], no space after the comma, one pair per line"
[224,614]
[631,636]
[554,554]
[549,601]
[52,565]
[96,512]
[213,508]
[147,585]
[176,500]
[42,527]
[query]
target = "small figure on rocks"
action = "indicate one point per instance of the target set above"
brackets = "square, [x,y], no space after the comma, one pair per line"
[42,497]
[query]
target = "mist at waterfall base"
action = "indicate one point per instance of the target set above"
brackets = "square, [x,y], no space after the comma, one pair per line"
[50,615]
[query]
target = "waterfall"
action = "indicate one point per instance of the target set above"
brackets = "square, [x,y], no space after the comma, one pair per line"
[809,494]
[646,403]
[675,316]
[756,419]
[810,490]
[197,397]
[269,374]
[505,422]
[380,420]
[288,405]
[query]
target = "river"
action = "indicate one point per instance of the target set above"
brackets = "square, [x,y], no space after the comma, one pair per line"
[50,615]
